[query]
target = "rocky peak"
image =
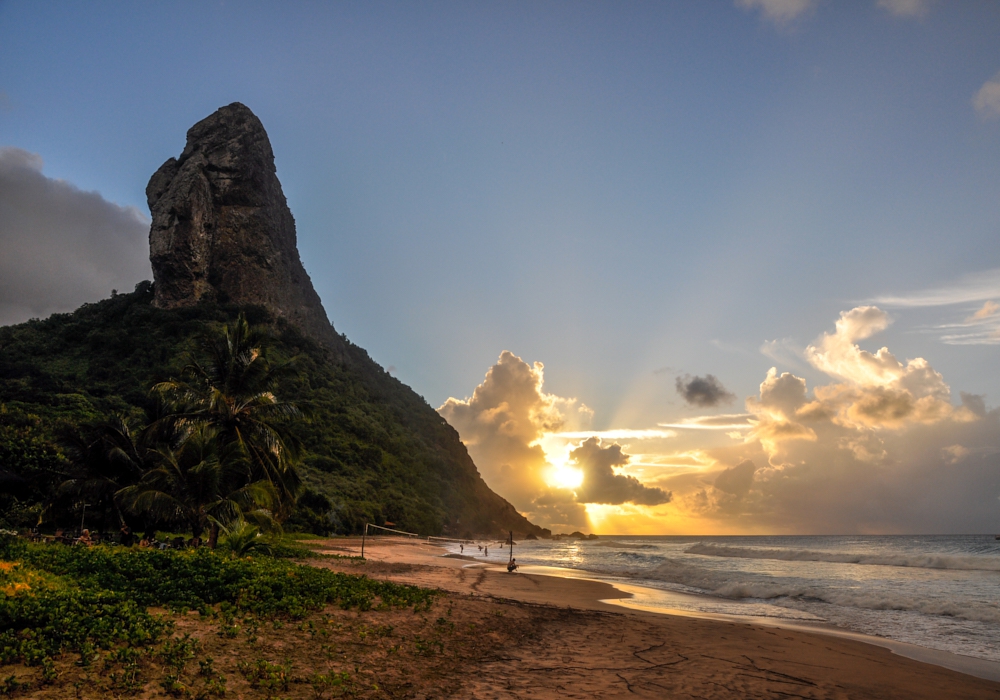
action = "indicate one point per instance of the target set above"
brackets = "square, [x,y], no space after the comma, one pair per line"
[222,229]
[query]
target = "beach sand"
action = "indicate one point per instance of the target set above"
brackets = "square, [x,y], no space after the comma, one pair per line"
[575,645]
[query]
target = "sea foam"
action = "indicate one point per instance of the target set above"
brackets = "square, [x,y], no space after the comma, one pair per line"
[922,561]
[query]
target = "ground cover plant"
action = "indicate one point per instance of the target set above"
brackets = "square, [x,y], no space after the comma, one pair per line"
[115,610]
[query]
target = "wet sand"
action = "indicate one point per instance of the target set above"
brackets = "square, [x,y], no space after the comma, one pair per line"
[584,646]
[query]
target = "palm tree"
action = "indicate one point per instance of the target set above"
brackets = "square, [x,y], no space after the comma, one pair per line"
[192,484]
[231,391]
[243,538]
[106,456]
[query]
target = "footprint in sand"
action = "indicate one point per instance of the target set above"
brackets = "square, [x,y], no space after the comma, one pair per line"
[479,581]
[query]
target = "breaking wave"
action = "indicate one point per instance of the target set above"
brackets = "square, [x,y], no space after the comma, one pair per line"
[725,586]
[611,544]
[921,561]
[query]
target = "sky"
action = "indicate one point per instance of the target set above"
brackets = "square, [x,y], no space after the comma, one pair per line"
[644,257]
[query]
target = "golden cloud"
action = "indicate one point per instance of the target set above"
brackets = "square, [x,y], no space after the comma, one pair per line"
[509,421]
[879,447]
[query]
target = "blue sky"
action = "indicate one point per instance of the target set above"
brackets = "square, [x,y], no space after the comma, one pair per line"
[627,193]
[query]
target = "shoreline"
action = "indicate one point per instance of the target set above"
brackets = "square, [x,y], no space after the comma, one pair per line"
[430,564]
[969,665]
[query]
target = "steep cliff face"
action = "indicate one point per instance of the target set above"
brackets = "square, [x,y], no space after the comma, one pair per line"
[222,228]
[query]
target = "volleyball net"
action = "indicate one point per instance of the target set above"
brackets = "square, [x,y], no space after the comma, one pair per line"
[370,527]
[382,533]
[373,530]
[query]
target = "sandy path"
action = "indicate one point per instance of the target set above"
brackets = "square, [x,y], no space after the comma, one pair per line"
[585,648]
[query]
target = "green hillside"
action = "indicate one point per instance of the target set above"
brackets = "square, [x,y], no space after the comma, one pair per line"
[374,449]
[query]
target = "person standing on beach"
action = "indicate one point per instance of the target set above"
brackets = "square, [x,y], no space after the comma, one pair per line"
[486,551]
[461,549]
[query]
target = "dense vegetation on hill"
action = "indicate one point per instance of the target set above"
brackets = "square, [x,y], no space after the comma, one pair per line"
[373,449]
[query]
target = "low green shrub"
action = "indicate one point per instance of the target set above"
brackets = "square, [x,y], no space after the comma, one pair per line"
[263,674]
[195,579]
[48,622]
[100,594]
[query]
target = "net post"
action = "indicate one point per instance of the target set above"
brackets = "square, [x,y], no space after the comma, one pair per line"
[364,533]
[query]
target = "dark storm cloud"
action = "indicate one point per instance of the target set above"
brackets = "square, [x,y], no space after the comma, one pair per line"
[703,391]
[60,246]
[602,485]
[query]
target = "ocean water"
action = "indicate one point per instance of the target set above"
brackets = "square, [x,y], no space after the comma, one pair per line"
[938,592]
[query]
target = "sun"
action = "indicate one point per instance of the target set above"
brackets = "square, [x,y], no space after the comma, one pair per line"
[559,474]
[563,476]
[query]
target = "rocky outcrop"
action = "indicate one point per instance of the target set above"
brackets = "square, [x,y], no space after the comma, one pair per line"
[222,229]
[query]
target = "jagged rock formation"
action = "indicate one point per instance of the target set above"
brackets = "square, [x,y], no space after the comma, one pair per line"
[222,228]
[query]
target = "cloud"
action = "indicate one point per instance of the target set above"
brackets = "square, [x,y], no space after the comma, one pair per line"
[954,453]
[505,424]
[989,310]
[780,12]
[936,477]
[616,434]
[880,448]
[737,480]
[974,287]
[725,421]
[876,447]
[61,246]
[703,391]
[783,351]
[987,99]
[906,8]
[980,328]
[776,410]
[837,354]
[674,460]
[602,485]
[502,422]
[877,390]
[974,403]
[780,396]
[979,325]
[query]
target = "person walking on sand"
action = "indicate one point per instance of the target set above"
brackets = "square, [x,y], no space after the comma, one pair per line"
[461,549]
